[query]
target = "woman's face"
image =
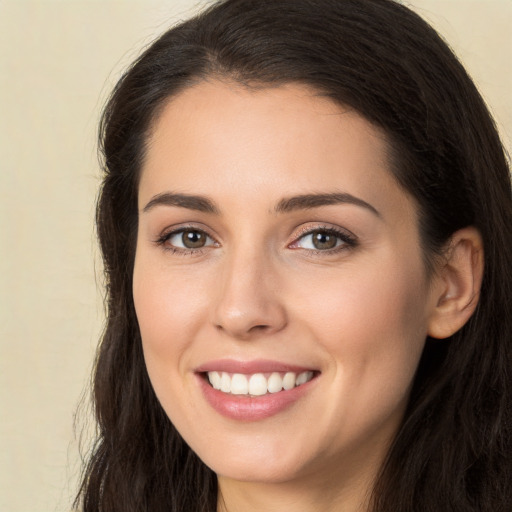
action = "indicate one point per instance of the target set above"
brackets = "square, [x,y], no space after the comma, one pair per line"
[274,249]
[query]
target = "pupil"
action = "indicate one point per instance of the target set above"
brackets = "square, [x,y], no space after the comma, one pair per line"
[193,239]
[322,240]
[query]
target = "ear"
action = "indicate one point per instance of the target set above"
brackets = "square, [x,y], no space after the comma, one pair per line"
[458,283]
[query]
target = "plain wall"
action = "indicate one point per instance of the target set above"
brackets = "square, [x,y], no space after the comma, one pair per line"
[58,61]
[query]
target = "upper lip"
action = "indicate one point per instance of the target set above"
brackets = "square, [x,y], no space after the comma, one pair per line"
[250,367]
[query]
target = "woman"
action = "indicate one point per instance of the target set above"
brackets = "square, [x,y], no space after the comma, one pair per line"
[306,224]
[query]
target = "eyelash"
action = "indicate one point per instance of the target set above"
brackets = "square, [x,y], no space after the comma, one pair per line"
[166,236]
[349,241]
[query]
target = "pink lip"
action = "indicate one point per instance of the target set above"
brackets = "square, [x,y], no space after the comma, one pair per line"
[249,367]
[248,408]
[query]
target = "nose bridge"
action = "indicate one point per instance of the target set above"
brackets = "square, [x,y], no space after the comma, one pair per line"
[248,294]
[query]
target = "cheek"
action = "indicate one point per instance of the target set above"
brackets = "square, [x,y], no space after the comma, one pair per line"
[354,302]
[168,305]
[373,326]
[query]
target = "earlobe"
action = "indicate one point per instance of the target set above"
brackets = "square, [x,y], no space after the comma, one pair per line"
[459,281]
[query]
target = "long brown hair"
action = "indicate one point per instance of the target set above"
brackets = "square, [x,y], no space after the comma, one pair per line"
[453,450]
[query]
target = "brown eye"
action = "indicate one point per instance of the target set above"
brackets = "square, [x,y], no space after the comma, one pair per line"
[193,239]
[187,239]
[323,240]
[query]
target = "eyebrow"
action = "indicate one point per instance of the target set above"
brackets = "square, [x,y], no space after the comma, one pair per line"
[191,202]
[308,201]
[285,205]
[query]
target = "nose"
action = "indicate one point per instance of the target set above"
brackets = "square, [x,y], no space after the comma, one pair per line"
[248,303]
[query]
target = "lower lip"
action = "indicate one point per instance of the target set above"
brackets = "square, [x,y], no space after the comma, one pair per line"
[252,408]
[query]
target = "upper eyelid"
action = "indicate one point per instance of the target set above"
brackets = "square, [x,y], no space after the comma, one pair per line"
[178,231]
[323,227]
[172,230]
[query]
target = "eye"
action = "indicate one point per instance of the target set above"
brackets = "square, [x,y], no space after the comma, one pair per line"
[325,239]
[187,239]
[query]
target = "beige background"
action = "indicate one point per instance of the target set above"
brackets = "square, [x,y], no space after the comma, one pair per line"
[58,60]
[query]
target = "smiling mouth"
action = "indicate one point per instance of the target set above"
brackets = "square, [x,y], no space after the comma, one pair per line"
[257,384]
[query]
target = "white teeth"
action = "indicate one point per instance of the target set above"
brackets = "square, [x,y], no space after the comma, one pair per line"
[225,383]
[275,383]
[239,384]
[289,380]
[215,379]
[303,377]
[257,384]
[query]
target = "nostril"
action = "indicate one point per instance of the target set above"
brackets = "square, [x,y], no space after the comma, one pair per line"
[259,328]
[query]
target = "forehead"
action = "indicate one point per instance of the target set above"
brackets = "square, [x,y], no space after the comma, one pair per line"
[217,138]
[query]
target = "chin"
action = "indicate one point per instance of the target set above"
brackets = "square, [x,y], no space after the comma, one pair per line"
[256,460]
[249,471]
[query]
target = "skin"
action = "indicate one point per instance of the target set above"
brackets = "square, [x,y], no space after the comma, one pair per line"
[358,314]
